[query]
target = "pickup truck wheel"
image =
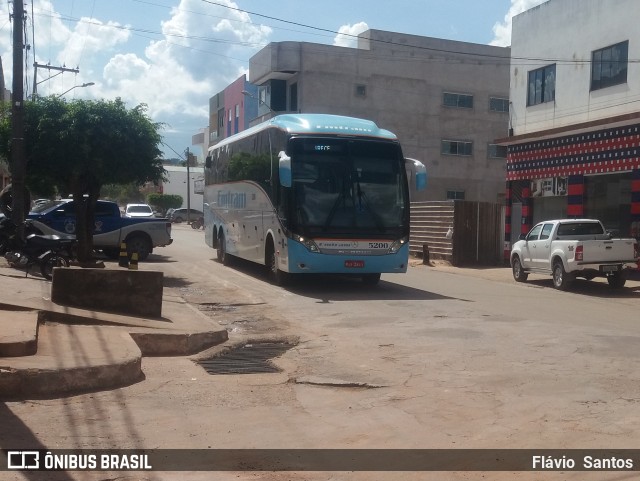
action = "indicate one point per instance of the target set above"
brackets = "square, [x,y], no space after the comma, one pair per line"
[140,245]
[561,278]
[518,272]
[617,280]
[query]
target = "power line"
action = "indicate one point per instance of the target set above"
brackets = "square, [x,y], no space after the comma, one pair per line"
[534,60]
[419,47]
[229,19]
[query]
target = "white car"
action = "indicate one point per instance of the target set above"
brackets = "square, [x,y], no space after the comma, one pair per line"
[138,210]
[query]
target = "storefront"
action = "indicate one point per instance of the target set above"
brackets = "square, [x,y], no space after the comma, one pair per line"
[592,174]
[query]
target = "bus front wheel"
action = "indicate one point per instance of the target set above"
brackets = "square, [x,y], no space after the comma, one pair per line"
[276,276]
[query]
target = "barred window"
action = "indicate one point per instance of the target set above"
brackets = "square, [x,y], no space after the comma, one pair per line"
[497,104]
[456,147]
[463,101]
[455,195]
[495,151]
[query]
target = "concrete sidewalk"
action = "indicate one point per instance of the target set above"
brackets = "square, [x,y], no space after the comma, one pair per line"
[503,273]
[48,350]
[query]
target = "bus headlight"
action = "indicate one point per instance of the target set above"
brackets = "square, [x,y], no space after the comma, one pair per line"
[397,245]
[308,243]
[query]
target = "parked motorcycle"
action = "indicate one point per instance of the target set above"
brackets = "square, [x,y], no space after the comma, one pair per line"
[198,223]
[47,251]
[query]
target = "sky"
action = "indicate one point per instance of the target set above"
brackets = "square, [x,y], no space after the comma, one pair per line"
[174,55]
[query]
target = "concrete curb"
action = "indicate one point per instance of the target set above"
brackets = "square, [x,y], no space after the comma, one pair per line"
[104,359]
[20,334]
[59,350]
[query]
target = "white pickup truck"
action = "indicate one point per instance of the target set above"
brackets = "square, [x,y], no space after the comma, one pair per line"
[570,248]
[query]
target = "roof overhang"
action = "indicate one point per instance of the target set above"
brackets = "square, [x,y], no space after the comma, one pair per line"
[617,121]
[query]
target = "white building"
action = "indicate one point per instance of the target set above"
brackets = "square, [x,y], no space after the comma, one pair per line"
[177,184]
[574,141]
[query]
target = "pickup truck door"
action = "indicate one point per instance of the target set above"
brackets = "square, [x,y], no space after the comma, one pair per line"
[59,221]
[530,245]
[542,248]
[107,224]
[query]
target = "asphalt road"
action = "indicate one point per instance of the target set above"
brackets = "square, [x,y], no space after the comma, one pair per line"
[435,358]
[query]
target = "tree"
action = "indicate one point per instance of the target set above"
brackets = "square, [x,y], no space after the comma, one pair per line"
[122,193]
[81,145]
[163,202]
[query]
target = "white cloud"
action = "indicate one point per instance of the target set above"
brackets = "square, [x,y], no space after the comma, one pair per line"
[348,33]
[215,34]
[502,30]
[173,67]
[90,37]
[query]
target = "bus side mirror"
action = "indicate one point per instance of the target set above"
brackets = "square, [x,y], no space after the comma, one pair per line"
[421,173]
[284,169]
[207,162]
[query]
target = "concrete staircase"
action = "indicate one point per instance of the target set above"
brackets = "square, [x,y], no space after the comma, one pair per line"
[430,221]
[51,350]
[41,359]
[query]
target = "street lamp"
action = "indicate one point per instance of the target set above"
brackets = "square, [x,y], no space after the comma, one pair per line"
[260,101]
[88,84]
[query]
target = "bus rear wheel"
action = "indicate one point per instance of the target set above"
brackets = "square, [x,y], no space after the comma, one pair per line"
[221,253]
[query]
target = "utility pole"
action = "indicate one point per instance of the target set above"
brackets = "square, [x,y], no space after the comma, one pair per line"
[188,187]
[18,156]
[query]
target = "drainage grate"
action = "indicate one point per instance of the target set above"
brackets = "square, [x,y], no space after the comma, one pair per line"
[247,359]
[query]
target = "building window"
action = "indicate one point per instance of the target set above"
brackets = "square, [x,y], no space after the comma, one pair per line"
[455,195]
[361,90]
[495,151]
[456,147]
[497,104]
[542,85]
[462,101]
[609,66]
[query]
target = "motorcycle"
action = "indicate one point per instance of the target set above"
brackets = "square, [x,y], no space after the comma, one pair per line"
[198,223]
[47,251]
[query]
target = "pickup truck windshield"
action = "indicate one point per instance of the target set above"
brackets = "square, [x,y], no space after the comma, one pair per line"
[45,206]
[580,228]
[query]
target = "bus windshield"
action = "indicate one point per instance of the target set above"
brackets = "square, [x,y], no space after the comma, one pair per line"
[348,186]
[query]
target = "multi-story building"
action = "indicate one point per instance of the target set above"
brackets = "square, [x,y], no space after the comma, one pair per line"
[231,110]
[445,100]
[574,140]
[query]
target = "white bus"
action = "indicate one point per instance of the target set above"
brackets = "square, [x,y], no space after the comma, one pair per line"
[311,193]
